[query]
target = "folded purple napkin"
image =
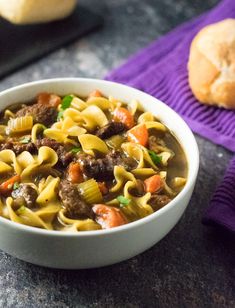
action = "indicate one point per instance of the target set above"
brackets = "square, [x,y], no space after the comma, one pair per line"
[161,70]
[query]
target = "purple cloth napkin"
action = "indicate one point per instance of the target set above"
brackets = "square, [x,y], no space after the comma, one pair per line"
[161,70]
[222,207]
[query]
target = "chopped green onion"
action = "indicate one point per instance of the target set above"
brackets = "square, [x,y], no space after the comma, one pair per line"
[21,210]
[25,140]
[123,201]
[16,185]
[66,102]
[76,150]
[155,158]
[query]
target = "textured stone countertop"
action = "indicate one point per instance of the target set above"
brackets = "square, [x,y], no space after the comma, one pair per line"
[193,266]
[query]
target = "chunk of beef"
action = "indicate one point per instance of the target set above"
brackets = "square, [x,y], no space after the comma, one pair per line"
[65,157]
[102,168]
[53,144]
[18,147]
[111,129]
[25,194]
[72,201]
[159,201]
[41,113]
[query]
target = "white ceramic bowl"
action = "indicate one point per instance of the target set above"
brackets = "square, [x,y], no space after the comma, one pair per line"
[98,248]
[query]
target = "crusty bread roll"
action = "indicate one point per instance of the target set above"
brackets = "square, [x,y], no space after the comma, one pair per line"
[211,65]
[35,11]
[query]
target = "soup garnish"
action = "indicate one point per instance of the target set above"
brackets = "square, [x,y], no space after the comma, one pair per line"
[76,164]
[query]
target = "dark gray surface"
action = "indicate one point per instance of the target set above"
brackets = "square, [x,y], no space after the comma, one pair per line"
[193,266]
[18,46]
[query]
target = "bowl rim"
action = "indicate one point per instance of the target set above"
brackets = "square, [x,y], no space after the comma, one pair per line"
[193,170]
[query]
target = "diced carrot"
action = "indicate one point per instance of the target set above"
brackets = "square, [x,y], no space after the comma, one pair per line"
[95,93]
[154,183]
[48,99]
[7,186]
[123,115]
[108,217]
[74,173]
[138,134]
[103,188]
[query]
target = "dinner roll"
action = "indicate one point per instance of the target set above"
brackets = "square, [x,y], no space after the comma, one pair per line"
[211,65]
[35,11]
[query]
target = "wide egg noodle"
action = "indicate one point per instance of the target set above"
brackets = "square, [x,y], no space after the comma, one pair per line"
[77,224]
[44,182]
[121,177]
[145,117]
[49,212]
[36,130]
[71,128]
[91,143]
[46,158]
[8,157]
[25,159]
[74,114]
[166,188]
[143,172]
[78,104]
[49,191]
[94,117]
[60,131]
[165,157]
[9,114]
[4,167]
[26,216]
[100,102]
[178,181]
[134,106]
[57,135]
[156,125]
[140,153]
[138,206]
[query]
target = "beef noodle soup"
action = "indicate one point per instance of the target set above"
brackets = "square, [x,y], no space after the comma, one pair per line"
[76,164]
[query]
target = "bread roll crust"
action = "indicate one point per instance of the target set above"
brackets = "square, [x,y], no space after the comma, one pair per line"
[211,64]
[35,11]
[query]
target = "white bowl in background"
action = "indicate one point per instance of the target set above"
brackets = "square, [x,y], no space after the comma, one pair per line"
[89,249]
